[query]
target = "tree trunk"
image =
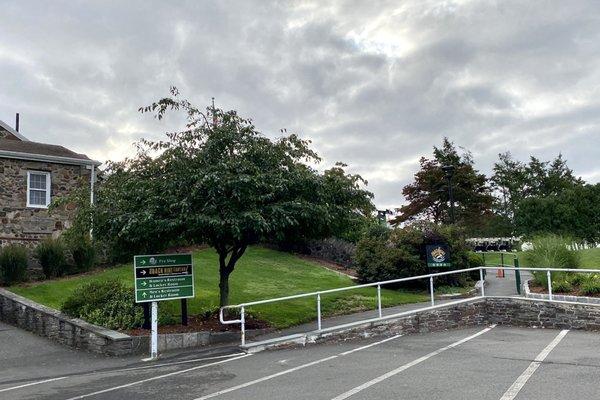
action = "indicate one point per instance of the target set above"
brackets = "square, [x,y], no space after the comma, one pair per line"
[223,288]
[226,267]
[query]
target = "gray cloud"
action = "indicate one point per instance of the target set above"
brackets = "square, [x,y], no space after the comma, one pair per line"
[373,86]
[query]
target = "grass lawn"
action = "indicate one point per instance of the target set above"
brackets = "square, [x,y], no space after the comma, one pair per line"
[590,258]
[260,274]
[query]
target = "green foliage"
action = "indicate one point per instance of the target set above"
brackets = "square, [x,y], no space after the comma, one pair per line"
[84,254]
[223,183]
[591,286]
[13,264]
[401,253]
[562,286]
[51,254]
[551,251]
[572,212]
[108,303]
[428,197]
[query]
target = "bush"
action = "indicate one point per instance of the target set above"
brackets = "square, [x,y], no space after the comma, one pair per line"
[333,249]
[51,254]
[590,286]
[562,286]
[13,264]
[400,253]
[552,251]
[84,254]
[107,303]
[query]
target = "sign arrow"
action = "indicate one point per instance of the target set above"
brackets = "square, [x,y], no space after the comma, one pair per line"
[143,272]
[144,283]
[144,295]
[143,262]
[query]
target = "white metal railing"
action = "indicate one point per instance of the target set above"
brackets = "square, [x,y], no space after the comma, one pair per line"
[242,307]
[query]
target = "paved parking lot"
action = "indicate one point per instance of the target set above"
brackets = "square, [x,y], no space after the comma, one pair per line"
[476,363]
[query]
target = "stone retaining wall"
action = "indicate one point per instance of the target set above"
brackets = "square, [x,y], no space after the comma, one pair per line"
[47,322]
[531,313]
[464,314]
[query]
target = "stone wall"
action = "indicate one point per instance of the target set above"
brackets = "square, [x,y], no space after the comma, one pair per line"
[72,332]
[464,314]
[531,313]
[27,226]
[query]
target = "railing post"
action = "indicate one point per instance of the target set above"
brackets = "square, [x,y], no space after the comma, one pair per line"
[549,276]
[243,326]
[431,290]
[502,259]
[483,256]
[517,275]
[379,301]
[318,311]
[482,282]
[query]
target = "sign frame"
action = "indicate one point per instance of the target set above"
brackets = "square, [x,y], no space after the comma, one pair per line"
[161,277]
[444,251]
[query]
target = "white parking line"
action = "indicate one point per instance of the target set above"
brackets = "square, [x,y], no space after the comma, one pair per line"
[32,384]
[156,378]
[112,371]
[290,370]
[396,371]
[516,387]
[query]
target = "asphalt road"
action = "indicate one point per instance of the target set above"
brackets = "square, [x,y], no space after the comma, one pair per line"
[478,363]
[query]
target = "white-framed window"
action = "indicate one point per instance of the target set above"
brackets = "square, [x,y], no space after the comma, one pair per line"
[38,189]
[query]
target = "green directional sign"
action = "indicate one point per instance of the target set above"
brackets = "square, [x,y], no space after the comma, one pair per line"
[163,277]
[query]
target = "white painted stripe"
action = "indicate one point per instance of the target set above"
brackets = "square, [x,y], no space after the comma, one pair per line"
[516,387]
[419,360]
[156,378]
[32,384]
[290,370]
[164,364]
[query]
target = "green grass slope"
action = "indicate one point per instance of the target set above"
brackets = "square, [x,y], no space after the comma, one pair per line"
[260,274]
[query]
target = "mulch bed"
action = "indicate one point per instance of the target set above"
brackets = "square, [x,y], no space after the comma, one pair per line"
[196,324]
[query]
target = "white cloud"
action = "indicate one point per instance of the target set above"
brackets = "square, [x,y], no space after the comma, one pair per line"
[375,87]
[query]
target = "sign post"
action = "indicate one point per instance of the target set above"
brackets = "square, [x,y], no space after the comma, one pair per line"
[162,277]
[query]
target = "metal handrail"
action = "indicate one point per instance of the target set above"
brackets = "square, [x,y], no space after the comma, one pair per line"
[242,306]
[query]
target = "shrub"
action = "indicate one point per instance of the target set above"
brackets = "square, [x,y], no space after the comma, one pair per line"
[590,286]
[552,251]
[51,254]
[562,286]
[84,254]
[13,264]
[577,279]
[400,253]
[333,249]
[107,303]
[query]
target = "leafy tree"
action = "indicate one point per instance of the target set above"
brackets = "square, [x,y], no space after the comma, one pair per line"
[573,212]
[428,197]
[223,183]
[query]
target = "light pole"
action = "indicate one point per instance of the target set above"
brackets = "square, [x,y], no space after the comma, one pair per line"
[449,171]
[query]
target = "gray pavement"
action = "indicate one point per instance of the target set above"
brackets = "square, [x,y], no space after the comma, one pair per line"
[474,363]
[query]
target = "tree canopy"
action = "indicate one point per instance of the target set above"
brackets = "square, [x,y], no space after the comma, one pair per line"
[428,196]
[221,182]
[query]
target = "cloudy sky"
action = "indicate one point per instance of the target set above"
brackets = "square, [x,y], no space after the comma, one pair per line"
[372,83]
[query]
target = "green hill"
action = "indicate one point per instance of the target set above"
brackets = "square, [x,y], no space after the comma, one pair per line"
[260,274]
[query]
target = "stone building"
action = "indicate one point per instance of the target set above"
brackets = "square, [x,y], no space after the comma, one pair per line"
[31,176]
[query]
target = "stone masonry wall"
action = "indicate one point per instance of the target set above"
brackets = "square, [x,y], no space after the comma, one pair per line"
[542,314]
[26,226]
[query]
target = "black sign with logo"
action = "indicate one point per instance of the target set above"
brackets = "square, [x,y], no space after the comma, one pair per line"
[438,255]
